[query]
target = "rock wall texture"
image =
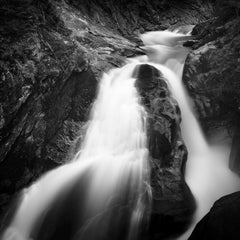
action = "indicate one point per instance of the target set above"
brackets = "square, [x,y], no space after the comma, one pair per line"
[172,201]
[212,73]
[212,70]
[132,17]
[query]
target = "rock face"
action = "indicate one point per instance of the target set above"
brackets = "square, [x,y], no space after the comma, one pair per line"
[173,203]
[132,17]
[212,72]
[234,161]
[222,222]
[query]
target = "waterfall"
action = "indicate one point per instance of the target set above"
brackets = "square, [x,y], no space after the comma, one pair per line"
[207,173]
[110,174]
[104,192]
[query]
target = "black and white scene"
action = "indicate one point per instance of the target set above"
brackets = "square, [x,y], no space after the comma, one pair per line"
[119,120]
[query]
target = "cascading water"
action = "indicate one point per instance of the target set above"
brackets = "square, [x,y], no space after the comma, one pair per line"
[207,172]
[112,166]
[109,176]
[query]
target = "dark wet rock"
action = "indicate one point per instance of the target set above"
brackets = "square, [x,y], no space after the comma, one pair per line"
[222,222]
[212,71]
[234,161]
[132,17]
[173,203]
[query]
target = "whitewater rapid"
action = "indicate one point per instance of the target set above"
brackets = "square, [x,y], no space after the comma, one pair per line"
[113,164]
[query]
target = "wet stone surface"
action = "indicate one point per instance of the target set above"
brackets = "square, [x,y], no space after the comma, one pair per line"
[173,203]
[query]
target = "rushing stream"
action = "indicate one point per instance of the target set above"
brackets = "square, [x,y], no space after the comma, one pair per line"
[112,164]
[109,176]
[207,172]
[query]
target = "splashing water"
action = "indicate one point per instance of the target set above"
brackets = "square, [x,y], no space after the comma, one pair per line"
[110,173]
[207,172]
[112,164]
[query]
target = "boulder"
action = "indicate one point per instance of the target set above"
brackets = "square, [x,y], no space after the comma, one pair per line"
[172,201]
[222,221]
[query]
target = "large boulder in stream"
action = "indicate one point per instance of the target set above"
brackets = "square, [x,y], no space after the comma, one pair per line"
[222,222]
[173,203]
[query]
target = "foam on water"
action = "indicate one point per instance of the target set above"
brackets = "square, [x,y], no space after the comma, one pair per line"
[115,156]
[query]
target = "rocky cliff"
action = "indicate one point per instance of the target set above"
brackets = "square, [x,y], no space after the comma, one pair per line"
[212,72]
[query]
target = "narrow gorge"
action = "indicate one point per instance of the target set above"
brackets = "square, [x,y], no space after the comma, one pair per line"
[119,120]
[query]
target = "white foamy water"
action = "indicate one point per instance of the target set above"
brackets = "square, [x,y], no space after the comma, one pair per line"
[114,154]
[166,38]
[207,171]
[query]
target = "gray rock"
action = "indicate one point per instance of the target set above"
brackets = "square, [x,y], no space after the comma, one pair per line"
[173,203]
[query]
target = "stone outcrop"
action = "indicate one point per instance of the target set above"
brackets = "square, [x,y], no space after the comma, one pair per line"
[222,222]
[132,17]
[51,59]
[173,203]
[212,73]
